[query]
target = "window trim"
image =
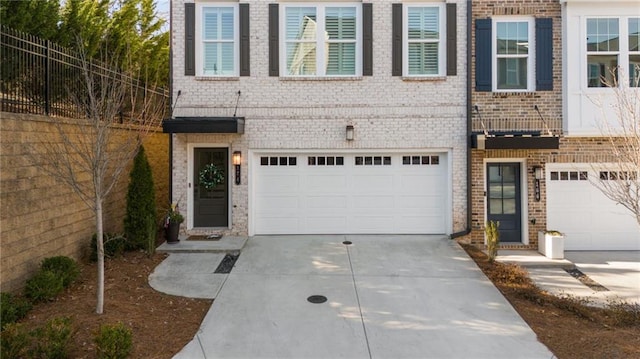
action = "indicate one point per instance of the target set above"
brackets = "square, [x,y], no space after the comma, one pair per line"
[623,52]
[199,39]
[531,57]
[320,53]
[442,41]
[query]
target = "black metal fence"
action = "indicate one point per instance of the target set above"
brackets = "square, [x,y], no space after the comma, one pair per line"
[41,77]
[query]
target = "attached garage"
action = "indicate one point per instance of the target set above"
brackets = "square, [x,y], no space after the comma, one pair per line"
[589,220]
[350,193]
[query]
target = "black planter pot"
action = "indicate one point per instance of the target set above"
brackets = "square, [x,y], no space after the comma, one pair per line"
[172,232]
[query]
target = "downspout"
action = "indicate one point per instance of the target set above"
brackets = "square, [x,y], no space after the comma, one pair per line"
[170,100]
[469,113]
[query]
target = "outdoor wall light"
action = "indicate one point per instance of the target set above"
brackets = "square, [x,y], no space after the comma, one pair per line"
[537,175]
[350,132]
[237,160]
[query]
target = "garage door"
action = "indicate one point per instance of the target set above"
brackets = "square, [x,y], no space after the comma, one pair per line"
[350,193]
[589,220]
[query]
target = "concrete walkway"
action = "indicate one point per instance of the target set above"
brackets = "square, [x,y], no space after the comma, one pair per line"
[388,297]
[617,271]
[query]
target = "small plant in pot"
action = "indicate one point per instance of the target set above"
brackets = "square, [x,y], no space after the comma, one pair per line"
[172,224]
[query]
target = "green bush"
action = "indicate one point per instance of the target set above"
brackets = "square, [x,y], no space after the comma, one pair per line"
[44,286]
[65,267]
[114,341]
[114,245]
[14,341]
[141,204]
[52,340]
[12,308]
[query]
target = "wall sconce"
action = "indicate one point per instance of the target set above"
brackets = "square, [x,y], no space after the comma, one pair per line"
[350,132]
[537,175]
[237,160]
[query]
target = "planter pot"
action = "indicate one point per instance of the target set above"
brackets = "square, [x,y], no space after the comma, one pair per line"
[172,231]
[551,246]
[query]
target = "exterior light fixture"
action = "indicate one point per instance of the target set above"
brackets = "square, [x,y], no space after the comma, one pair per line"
[350,132]
[237,160]
[537,175]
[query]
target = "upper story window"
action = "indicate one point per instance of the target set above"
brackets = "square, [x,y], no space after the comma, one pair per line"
[612,44]
[321,40]
[423,35]
[217,40]
[513,55]
[634,52]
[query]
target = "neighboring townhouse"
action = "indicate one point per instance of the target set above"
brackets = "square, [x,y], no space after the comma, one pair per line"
[535,143]
[325,117]
[599,39]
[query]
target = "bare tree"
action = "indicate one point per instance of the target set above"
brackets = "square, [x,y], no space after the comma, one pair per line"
[621,183]
[90,154]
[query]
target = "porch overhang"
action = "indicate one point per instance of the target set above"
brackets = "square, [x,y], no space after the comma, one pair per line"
[514,141]
[203,125]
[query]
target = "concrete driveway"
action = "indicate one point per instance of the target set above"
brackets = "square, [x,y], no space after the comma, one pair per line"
[388,297]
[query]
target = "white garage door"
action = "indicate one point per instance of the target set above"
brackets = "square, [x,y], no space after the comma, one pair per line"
[589,220]
[350,193]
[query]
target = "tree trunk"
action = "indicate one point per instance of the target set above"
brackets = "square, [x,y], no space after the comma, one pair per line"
[100,250]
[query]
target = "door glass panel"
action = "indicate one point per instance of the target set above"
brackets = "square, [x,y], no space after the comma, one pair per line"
[495,206]
[495,191]
[508,174]
[509,206]
[509,191]
[494,174]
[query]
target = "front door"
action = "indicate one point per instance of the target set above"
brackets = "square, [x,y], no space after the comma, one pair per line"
[503,199]
[210,190]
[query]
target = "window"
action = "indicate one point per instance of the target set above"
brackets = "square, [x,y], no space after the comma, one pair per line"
[217,40]
[513,55]
[278,161]
[603,47]
[322,40]
[634,52]
[424,40]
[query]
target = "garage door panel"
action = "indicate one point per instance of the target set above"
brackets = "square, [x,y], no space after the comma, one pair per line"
[326,202]
[357,196]
[279,184]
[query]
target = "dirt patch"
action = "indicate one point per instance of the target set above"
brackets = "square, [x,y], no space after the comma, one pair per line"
[162,324]
[568,327]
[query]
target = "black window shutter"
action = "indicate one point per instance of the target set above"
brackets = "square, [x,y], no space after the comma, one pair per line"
[396,28]
[244,40]
[190,39]
[274,39]
[544,54]
[452,40]
[483,55]
[367,39]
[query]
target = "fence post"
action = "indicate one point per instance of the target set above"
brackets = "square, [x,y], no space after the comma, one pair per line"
[47,79]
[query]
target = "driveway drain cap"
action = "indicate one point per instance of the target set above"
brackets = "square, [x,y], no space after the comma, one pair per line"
[347,243]
[317,299]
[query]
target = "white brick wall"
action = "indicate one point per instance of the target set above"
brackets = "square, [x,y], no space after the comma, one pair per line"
[387,112]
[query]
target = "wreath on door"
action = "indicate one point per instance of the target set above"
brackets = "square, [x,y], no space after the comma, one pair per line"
[211,176]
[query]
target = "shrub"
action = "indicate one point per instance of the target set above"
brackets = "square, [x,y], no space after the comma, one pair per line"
[65,267]
[12,308]
[623,313]
[141,203]
[52,340]
[14,341]
[45,285]
[114,341]
[493,239]
[114,245]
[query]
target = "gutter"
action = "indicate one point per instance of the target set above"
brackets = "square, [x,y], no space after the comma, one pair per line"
[469,114]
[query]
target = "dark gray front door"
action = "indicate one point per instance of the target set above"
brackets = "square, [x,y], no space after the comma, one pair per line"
[210,202]
[503,199]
